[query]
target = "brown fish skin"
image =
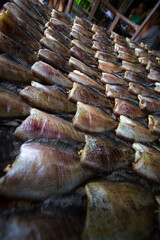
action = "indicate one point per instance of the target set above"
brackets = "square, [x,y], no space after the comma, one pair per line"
[60,23]
[132,67]
[115,91]
[105,155]
[146,162]
[154,124]
[132,131]
[55,46]
[79,36]
[131,76]
[100,47]
[154,75]
[118,48]
[128,109]
[102,38]
[92,119]
[79,20]
[54,60]
[60,16]
[139,52]
[87,95]
[105,56]
[57,171]
[81,29]
[149,104]
[11,105]
[143,60]
[58,29]
[77,76]
[82,56]
[153,64]
[100,30]
[108,67]
[42,125]
[45,98]
[157,87]
[138,89]
[127,57]
[82,46]
[112,79]
[50,75]
[107,204]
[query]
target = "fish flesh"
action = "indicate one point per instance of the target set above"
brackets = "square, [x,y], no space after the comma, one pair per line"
[132,67]
[143,60]
[54,59]
[102,38]
[157,87]
[112,79]
[81,29]
[58,29]
[11,106]
[92,119]
[152,64]
[60,23]
[60,16]
[135,77]
[141,52]
[45,98]
[55,46]
[77,76]
[115,91]
[105,56]
[154,124]
[133,131]
[146,162]
[105,155]
[82,46]
[79,36]
[87,95]
[109,202]
[138,89]
[127,57]
[83,22]
[149,104]
[153,75]
[50,75]
[126,108]
[78,65]
[98,46]
[41,171]
[108,67]
[118,48]
[42,125]
[100,30]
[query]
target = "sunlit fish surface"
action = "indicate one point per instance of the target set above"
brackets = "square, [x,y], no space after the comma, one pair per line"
[83,22]
[82,46]
[133,131]
[105,56]
[127,56]
[135,77]
[154,75]
[118,48]
[108,67]
[102,38]
[115,91]
[154,124]
[100,46]
[149,104]
[132,67]
[112,79]
[138,89]
[61,17]
[42,125]
[79,36]
[92,119]
[81,29]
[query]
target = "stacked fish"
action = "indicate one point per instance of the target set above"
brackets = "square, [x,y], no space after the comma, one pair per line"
[89,107]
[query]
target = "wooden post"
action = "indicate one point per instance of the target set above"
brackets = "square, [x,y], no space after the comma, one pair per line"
[69,6]
[93,9]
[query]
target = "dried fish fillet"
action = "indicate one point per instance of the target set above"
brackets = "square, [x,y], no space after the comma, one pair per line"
[60,16]
[115,91]
[157,87]
[138,89]
[96,28]
[127,57]
[112,79]
[101,47]
[154,75]
[81,29]
[149,104]
[118,48]
[154,124]
[141,52]
[83,22]
[108,67]
[135,77]
[82,46]
[102,38]
[132,67]
[79,36]
[49,33]
[105,56]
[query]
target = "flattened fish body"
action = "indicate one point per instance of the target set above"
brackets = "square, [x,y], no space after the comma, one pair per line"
[132,67]
[105,56]
[81,29]
[127,56]
[112,79]
[149,104]
[100,46]
[154,75]
[115,91]
[154,124]
[108,67]
[60,16]
[138,89]
[82,46]
[135,77]
[79,36]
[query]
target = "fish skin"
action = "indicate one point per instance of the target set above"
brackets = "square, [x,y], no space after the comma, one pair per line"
[11,105]
[154,124]
[77,76]
[138,89]
[112,212]
[81,29]
[82,56]
[55,46]
[60,16]
[115,91]
[41,171]
[87,95]
[45,8]
[100,30]
[79,36]
[131,76]
[60,23]
[112,79]
[54,59]
[139,52]
[118,48]
[127,57]
[105,56]
[82,46]
[132,67]
[102,38]
[149,104]
[42,125]
[153,64]
[132,131]
[43,97]
[153,75]
[157,87]
[146,162]
[128,109]
[92,119]
[58,28]
[50,75]
[143,60]
[108,67]
[105,155]
[79,20]
[101,46]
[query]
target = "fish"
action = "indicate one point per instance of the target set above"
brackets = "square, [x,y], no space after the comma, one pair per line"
[83,22]
[60,23]
[105,56]
[152,64]
[146,162]
[132,67]
[100,30]
[98,46]
[58,29]
[78,65]
[50,75]
[157,87]
[135,77]
[105,155]
[81,29]
[126,108]
[45,98]
[79,36]
[44,7]
[143,60]
[108,67]
[119,40]
[112,211]
[92,119]
[153,75]
[54,59]
[87,95]
[127,57]
[118,48]
[40,125]
[115,91]
[102,38]
[82,46]
[112,79]
[133,131]
[138,89]
[55,46]
[11,106]
[154,124]
[114,35]
[82,56]
[60,16]
[42,10]
[132,45]
[41,171]
[77,76]
[149,104]
[141,52]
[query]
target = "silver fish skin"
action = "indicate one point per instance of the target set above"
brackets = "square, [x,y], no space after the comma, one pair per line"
[118,48]
[138,89]
[43,97]
[128,109]
[41,171]
[153,64]
[50,75]
[131,76]
[78,65]
[132,67]
[140,52]
[92,119]
[107,204]
[112,79]
[81,29]
[143,60]
[83,22]
[105,56]
[42,125]
[149,104]
[87,95]
[127,57]
[101,46]
[102,38]
[115,91]
[154,124]
[82,46]
[79,36]
[108,67]
[133,131]
[157,87]
[77,76]
[146,162]
[153,75]
[105,155]
[60,16]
